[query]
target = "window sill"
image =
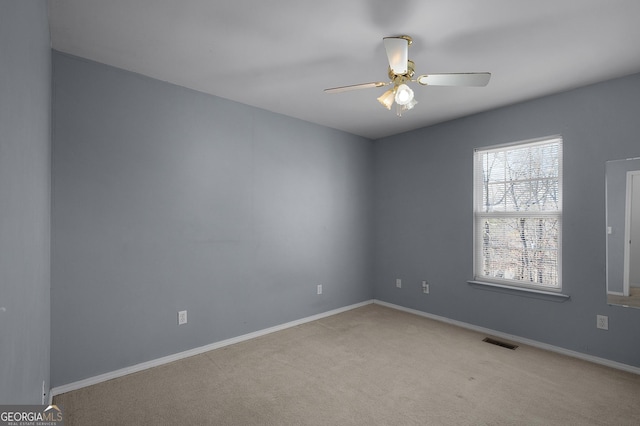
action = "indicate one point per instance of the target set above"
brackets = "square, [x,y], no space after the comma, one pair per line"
[521,291]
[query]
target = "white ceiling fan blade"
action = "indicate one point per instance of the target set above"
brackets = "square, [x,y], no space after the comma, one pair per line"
[455,79]
[355,87]
[398,53]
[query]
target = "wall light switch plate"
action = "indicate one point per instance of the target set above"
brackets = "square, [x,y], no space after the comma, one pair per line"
[319,289]
[182,317]
[398,283]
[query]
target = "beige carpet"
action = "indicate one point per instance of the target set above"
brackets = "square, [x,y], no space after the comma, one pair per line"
[369,366]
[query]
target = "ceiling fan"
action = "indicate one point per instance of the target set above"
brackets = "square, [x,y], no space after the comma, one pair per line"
[401,72]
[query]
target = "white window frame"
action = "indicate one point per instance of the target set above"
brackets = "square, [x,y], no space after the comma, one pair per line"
[480,215]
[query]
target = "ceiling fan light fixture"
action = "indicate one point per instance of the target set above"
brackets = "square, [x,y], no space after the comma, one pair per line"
[404,94]
[401,71]
[410,104]
[386,99]
[401,108]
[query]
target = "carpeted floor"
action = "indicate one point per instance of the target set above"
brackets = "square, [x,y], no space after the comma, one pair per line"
[368,366]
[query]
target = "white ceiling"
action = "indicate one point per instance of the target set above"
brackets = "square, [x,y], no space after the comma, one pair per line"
[279,55]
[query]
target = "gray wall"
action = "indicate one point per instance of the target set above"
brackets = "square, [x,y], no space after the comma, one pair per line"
[166,199]
[25,90]
[424,218]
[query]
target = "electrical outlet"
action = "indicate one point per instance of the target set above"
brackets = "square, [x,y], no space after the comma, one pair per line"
[425,287]
[182,317]
[602,322]
[398,283]
[319,288]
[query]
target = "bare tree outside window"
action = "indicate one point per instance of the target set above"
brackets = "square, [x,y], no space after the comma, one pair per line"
[518,214]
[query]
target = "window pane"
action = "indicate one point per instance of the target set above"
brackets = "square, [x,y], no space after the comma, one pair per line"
[518,207]
[520,249]
[494,166]
[544,195]
[494,197]
[518,196]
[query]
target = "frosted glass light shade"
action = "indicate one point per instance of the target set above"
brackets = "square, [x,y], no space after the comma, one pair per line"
[404,94]
[386,99]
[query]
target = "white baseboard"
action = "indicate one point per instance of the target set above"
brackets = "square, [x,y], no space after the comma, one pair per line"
[518,339]
[195,351]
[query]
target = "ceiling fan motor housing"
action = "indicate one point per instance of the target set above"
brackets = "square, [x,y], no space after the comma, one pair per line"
[401,78]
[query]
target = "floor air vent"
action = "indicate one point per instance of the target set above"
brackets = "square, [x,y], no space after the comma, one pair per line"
[499,343]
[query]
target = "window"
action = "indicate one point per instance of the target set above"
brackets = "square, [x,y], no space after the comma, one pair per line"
[518,214]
